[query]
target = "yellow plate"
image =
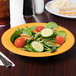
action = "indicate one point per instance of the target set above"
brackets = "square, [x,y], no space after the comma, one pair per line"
[8,44]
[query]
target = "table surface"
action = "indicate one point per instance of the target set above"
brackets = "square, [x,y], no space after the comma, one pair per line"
[61,65]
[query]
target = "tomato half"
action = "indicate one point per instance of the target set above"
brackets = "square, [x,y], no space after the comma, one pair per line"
[59,40]
[39,28]
[19,42]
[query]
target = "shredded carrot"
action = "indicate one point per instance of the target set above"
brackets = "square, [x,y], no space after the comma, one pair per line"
[54,30]
[34,31]
[54,43]
[26,37]
[21,35]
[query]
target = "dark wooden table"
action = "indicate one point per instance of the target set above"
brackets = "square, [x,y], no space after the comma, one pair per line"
[61,65]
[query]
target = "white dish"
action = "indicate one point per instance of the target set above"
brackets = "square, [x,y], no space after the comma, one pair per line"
[55,11]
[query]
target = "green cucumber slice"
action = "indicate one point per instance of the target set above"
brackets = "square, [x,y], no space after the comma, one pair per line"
[37,46]
[47,32]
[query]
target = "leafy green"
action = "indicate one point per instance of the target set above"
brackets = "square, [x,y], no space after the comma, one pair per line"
[50,47]
[61,33]
[30,40]
[15,35]
[28,30]
[28,47]
[37,35]
[20,30]
[53,41]
[39,39]
[51,25]
[33,27]
[47,39]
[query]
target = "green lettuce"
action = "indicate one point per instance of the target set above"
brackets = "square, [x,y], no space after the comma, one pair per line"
[61,33]
[51,25]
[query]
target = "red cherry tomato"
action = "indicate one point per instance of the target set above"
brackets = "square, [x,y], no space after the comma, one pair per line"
[19,42]
[39,28]
[59,40]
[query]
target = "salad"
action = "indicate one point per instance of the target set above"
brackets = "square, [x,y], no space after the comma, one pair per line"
[39,38]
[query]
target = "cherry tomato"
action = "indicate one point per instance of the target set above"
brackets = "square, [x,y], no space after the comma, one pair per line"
[59,40]
[19,42]
[39,28]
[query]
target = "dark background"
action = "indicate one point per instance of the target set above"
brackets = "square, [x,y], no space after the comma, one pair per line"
[61,65]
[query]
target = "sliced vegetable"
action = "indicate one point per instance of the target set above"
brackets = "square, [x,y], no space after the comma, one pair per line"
[19,42]
[51,25]
[59,40]
[61,33]
[37,46]
[47,32]
[39,28]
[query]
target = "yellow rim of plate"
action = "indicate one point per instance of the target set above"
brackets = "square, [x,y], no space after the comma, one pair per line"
[8,44]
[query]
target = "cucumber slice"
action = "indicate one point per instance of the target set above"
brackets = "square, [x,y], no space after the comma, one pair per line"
[37,46]
[47,32]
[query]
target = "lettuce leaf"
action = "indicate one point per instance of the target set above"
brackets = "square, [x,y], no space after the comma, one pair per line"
[61,33]
[51,25]
[49,47]
[15,35]
[28,30]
